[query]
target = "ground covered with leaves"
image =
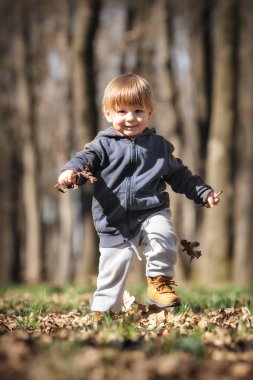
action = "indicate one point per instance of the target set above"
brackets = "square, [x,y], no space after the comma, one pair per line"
[48,333]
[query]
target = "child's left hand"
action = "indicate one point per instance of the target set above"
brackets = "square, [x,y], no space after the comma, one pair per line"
[212,199]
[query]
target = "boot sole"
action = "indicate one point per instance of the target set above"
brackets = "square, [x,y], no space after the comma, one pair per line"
[162,305]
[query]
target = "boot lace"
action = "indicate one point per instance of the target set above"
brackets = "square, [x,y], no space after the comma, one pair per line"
[165,283]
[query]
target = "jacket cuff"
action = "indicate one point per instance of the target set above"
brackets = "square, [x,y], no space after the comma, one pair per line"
[205,194]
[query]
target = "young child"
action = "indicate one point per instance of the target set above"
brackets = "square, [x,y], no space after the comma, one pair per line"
[132,165]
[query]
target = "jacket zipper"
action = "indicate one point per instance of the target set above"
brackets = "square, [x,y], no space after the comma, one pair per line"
[130,178]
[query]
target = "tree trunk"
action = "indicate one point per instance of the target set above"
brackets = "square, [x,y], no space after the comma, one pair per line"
[10,147]
[83,80]
[215,234]
[50,76]
[182,26]
[29,218]
[243,200]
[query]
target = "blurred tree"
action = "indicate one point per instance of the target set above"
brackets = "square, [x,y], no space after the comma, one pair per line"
[216,241]
[243,173]
[49,68]
[10,164]
[85,20]
[30,249]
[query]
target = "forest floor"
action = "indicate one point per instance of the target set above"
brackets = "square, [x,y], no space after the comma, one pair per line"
[49,333]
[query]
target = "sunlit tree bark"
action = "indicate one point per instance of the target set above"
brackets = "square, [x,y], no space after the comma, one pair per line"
[83,87]
[50,74]
[9,143]
[243,199]
[216,240]
[30,216]
[182,66]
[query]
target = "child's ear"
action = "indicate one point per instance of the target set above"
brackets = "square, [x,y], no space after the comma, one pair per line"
[150,114]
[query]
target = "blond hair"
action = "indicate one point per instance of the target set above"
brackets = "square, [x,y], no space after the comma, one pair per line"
[128,89]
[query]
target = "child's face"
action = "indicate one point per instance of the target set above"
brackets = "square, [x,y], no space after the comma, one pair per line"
[129,121]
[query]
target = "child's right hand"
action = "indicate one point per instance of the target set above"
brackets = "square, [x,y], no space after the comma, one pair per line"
[67,177]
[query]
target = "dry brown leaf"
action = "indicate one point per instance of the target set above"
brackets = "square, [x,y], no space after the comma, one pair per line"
[7,322]
[229,317]
[156,319]
[53,321]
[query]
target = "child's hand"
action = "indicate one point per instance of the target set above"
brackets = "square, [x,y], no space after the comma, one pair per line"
[67,177]
[212,199]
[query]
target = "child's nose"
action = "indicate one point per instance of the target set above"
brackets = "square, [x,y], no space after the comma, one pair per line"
[129,116]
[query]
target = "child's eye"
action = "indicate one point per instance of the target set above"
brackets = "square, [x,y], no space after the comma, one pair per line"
[139,111]
[121,112]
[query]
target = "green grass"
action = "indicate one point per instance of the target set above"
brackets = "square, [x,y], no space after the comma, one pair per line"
[200,299]
[42,298]
[25,301]
[28,303]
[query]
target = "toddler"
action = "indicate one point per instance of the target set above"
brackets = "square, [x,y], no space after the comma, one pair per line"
[131,208]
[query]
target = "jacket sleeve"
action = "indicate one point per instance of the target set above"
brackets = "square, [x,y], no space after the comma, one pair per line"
[89,156]
[182,181]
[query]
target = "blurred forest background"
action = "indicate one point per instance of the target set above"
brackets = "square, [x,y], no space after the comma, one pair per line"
[56,56]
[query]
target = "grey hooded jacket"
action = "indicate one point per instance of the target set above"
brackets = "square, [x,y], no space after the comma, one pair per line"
[131,181]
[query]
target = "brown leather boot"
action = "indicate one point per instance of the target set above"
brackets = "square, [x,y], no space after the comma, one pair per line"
[160,292]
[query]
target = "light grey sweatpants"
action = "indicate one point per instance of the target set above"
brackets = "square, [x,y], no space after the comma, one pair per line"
[158,242]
